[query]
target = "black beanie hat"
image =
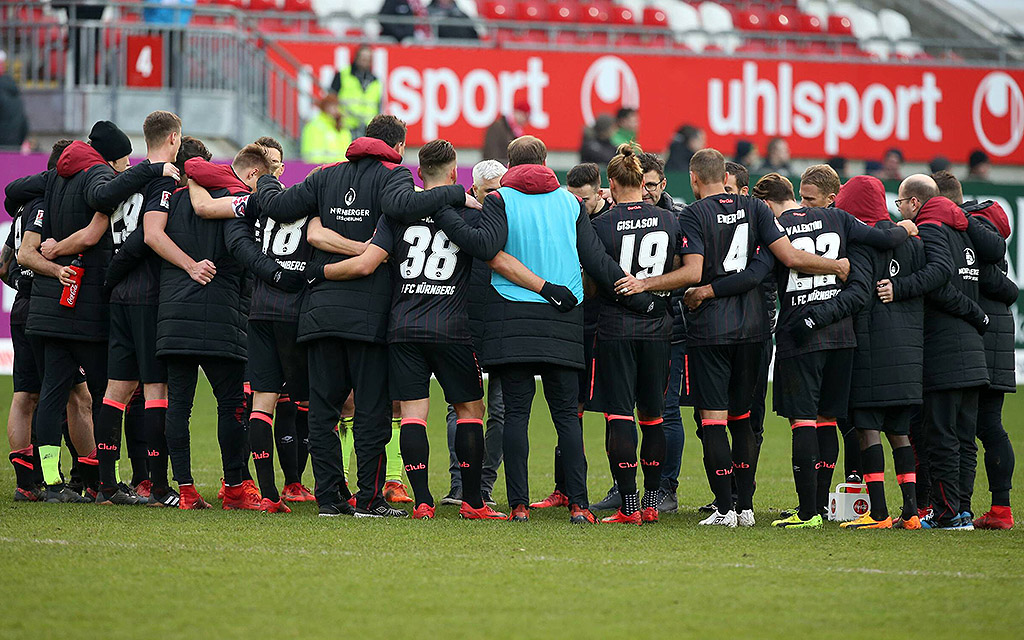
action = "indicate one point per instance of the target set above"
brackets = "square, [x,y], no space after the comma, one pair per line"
[109,141]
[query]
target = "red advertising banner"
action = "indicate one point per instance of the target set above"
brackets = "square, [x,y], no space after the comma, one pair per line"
[853,109]
[145,61]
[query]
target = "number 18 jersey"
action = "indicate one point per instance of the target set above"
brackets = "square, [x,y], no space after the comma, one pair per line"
[727,229]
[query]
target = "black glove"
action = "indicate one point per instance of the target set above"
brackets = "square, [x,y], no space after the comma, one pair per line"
[314,274]
[803,327]
[644,303]
[981,323]
[290,281]
[559,297]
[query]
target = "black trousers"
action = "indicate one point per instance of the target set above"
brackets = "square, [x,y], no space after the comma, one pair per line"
[226,377]
[999,458]
[950,425]
[561,391]
[336,368]
[61,359]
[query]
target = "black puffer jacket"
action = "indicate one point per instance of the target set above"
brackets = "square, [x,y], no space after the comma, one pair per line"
[24,198]
[954,352]
[83,184]
[349,198]
[998,292]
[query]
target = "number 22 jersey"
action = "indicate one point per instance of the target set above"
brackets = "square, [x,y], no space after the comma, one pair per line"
[727,229]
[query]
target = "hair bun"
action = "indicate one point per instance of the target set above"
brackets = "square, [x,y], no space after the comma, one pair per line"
[625,149]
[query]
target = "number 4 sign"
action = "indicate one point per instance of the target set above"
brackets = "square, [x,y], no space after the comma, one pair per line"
[145,61]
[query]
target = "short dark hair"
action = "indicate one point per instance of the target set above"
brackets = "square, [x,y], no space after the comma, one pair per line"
[708,165]
[270,143]
[774,188]
[949,186]
[652,162]
[894,151]
[527,150]
[739,172]
[624,113]
[58,148]
[386,127]
[190,148]
[158,125]
[252,156]
[583,174]
[435,157]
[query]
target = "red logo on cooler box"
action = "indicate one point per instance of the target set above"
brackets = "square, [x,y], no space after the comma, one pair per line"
[860,506]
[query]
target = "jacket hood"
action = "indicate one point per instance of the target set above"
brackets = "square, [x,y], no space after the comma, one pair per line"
[530,178]
[940,210]
[864,198]
[992,212]
[372,148]
[214,176]
[78,157]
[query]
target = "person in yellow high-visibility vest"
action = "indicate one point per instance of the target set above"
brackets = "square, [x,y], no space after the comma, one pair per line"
[358,91]
[324,137]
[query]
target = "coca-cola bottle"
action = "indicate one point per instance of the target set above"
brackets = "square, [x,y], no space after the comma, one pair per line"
[70,294]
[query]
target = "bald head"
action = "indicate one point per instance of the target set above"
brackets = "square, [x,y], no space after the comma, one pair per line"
[914,192]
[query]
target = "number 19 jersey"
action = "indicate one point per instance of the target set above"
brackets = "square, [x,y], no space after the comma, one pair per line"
[643,239]
[429,279]
[727,229]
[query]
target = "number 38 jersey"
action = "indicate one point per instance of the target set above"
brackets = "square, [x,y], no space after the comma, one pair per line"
[643,239]
[727,229]
[429,279]
[285,242]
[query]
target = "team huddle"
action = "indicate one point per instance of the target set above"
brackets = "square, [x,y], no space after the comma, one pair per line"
[320,312]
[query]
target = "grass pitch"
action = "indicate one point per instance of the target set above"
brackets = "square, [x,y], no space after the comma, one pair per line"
[121,572]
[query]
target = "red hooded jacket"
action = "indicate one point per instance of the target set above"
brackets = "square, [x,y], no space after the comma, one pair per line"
[864,198]
[215,176]
[940,210]
[78,156]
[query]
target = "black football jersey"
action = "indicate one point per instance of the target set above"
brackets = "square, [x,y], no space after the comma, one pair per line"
[727,229]
[643,239]
[142,284]
[430,281]
[285,242]
[26,215]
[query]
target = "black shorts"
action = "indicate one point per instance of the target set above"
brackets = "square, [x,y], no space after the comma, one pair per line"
[37,345]
[723,377]
[27,376]
[628,374]
[131,351]
[454,365]
[276,361]
[894,421]
[813,384]
[587,374]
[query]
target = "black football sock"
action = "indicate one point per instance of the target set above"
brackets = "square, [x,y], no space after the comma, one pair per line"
[302,440]
[559,471]
[743,452]
[873,462]
[156,442]
[108,442]
[415,452]
[652,458]
[469,450]
[284,436]
[828,454]
[261,443]
[852,462]
[718,462]
[906,474]
[622,457]
[135,437]
[76,466]
[88,467]
[805,466]
[24,467]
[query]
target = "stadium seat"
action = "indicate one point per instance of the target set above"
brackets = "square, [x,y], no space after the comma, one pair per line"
[497,10]
[298,6]
[685,18]
[563,12]
[622,16]
[751,20]
[779,22]
[468,7]
[655,17]
[840,25]
[263,5]
[816,8]
[717,22]
[809,23]
[593,13]
[894,25]
[532,11]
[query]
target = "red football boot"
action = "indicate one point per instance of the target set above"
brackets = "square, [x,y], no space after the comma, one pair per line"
[238,497]
[296,492]
[220,492]
[189,498]
[519,514]
[650,514]
[144,489]
[621,518]
[270,506]
[467,512]
[423,511]
[995,518]
[252,490]
[395,492]
[556,499]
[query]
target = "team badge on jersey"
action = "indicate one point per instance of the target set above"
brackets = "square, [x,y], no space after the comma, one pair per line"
[39,217]
[350,197]
[165,199]
[894,268]
[969,256]
[238,205]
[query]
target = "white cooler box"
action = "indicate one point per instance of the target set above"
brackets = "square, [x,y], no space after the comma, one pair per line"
[848,502]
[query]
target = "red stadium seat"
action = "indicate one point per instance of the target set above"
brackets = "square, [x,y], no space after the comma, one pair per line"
[779,22]
[262,5]
[750,21]
[563,12]
[298,6]
[593,14]
[809,24]
[532,11]
[655,17]
[840,26]
[497,10]
[622,16]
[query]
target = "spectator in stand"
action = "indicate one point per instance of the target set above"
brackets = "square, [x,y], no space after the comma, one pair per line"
[687,141]
[939,163]
[892,165]
[978,166]
[597,141]
[155,12]
[746,153]
[406,29]
[776,158]
[324,138]
[13,122]
[873,168]
[627,123]
[503,131]
[838,163]
[449,9]
[359,92]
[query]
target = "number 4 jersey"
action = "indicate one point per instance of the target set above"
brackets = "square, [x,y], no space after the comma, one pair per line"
[430,281]
[643,238]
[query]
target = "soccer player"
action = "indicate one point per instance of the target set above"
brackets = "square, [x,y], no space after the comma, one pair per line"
[131,355]
[85,190]
[997,293]
[885,386]
[345,323]
[725,336]
[632,351]
[955,370]
[813,371]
